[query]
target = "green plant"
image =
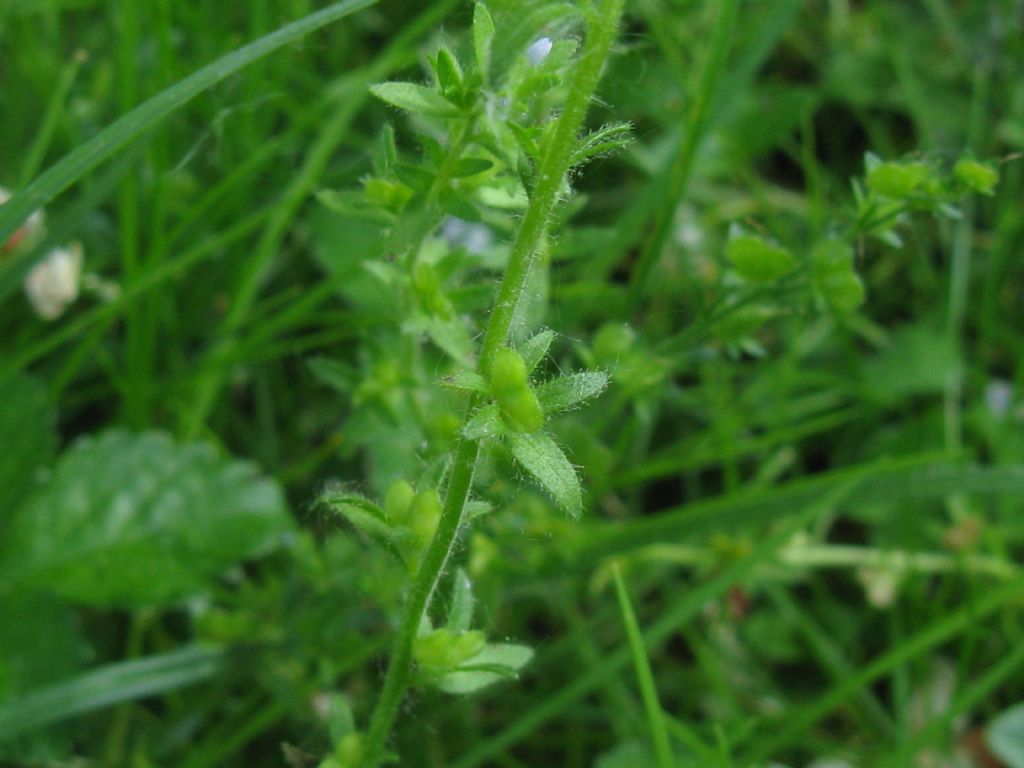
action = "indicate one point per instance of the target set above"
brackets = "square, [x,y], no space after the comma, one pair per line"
[537,382]
[503,402]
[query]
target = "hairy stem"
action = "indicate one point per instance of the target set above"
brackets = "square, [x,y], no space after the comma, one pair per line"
[552,169]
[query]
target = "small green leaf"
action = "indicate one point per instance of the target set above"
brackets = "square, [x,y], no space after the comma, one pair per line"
[361,512]
[1005,736]
[460,613]
[534,349]
[757,260]
[468,381]
[134,520]
[485,423]
[539,455]
[977,177]
[570,390]
[471,166]
[483,34]
[443,649]
[898,180]
[603,142]
[449,73]
[493,664]
[414,98]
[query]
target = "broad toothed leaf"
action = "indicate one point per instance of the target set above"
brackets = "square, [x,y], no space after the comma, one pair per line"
[130,520]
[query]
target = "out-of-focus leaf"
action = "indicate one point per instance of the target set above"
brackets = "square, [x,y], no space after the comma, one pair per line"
[131,520]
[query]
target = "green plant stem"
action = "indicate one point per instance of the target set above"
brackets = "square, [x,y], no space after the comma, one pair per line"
[552,170]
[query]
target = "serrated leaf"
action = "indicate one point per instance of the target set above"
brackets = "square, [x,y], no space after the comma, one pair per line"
[494,663]
[418,99]
[132,520]
[533,349]
[483,34]
[28,421]
[485,423]
[539,455]
[570,390]
[468,381]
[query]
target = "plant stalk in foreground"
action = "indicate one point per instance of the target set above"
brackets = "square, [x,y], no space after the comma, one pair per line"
[552,169]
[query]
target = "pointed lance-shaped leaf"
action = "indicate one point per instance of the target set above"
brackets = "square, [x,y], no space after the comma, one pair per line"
[486,422]
[541,457]
[534,349]
[570,390]
[414,98]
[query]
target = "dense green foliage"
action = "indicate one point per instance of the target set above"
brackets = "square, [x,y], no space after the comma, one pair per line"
[532,383]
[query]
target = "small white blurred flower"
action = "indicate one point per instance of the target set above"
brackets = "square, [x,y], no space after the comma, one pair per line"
[27,232]
[475,238]
[539,50]
[881,585]
[999,397]
[52,284]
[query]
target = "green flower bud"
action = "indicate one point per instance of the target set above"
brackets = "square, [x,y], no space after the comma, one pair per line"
[898,180]
[349,751]
[757,260]
[397,501]
[977,177]
[517,402]
[508,372]
[445,649]
[424,514]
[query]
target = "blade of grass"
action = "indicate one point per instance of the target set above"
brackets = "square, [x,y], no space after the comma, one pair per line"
[644,676]
[108,685]
[107,142]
